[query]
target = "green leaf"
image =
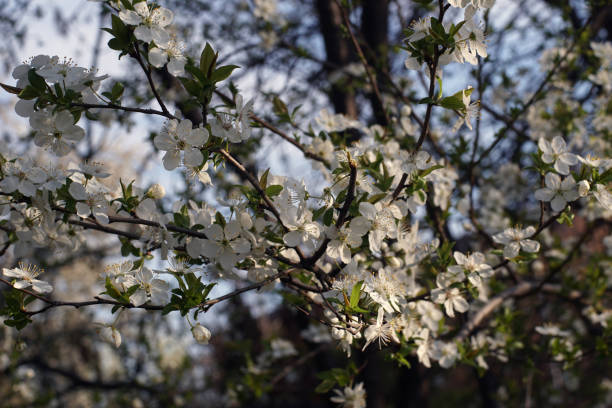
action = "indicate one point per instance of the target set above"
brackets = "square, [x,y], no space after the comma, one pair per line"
[328,217]
[318,212]
[117,91]
[263,180]
[10,89]
[455,28]
[119,29]
[429,170]
[220,219]
[437,29]
[181,220]
[29,92]
[279,106]
[273,190]
[127,4]
[196,73]
[36,80]
[425,101]
[111,290]
[356,294]
[452,103]
[376,197]
[193,87]
[325,386]
[116,44]
[222,73]
[207,60]
[455,101]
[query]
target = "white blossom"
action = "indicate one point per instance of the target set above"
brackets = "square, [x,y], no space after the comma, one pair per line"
[177,137]
[201,334]
[556,152]
[452,300]
[445,353]
[150,22]
[558,192]
[350,397]
[149,289]
[25,276]
[57,131]
[515,239]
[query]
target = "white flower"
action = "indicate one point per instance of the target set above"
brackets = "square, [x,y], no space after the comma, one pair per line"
[223,126]
[334,122]
[171,53]
[424,349]
[556,152]
[379,331]
[234,128]
[583,188]
[378,219]
[266,10]
[92,169]
[469,44]
[201,334]
[558,192]
[26,277]
[89,203]
[199,172]
[150,22]
[224,245]
[178,266]
[590,161]
[56,131]
[412,63]
[243,111]
[20,73]
[117,273]
[281,348]
[445,353]
[149,289]
[156,191]
[109,333]
[430,314]
[551,329]
[413,162]
[472,6]
[452,300]
[515,239]
[474,265]
[342,240]
[177,137]
[471,111]
[420,29]
[350,397]
[69,76]
[387,288]
[339,333]
[602,195]
[21,175]
[302,230]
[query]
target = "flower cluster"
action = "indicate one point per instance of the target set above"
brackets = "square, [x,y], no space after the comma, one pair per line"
[372,246]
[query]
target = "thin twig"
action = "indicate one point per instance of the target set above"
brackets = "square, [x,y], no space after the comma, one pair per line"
[364,61]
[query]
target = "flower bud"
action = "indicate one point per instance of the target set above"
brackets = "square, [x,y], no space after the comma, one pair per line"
[583,188]
[200,333]
[394,262]
[156,191]
[109,333]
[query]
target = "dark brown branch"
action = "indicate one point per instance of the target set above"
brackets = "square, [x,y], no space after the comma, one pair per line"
[147,71]
[350,196]
[364,61]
